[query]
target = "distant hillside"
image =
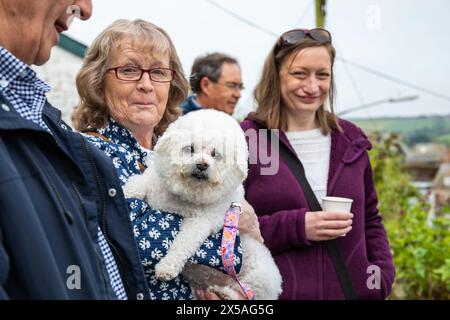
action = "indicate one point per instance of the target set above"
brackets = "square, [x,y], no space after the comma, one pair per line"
[413,130]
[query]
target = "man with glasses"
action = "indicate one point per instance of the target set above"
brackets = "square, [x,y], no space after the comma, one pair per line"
[64,232]
[216,81]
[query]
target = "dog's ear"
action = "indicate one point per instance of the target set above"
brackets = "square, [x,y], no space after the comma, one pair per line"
[164,142]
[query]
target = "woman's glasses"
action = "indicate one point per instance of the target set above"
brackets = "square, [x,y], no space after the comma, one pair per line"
[130,73]
[294,36]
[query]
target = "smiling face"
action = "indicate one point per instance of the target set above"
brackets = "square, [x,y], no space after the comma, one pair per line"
[137,105]
[39,24]
[305,79]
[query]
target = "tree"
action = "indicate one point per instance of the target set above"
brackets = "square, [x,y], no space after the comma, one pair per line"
[391,181]
[421,249]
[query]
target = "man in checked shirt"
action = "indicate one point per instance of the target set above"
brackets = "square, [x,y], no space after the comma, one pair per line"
[64,228]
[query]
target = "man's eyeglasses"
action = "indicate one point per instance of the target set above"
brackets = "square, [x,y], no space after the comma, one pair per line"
[130,73]
[296,35]
[233,85]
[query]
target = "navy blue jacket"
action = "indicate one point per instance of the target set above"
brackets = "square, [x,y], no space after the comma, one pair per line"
[55,190]
[189,105]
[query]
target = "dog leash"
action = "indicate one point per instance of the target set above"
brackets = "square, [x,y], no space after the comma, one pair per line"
[230,228]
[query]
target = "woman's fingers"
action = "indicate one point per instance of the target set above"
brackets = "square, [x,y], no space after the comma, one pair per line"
[336,224]
[255,233]
[321,226]
[248,222]
[248,218]
[205,295]
[336,215]
[328,234]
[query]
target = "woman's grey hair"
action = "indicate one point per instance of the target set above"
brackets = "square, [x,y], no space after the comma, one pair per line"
[209,66]
[92,111]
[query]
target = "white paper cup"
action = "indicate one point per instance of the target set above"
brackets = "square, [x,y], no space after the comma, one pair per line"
[336,204]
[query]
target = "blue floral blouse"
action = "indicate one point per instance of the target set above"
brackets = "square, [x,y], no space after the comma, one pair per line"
[154,231]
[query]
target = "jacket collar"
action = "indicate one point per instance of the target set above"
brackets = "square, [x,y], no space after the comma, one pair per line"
[346,147]
[10,119]
[281,134]
[190,104]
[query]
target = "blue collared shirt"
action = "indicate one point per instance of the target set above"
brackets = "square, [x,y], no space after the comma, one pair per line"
[27,94]
[21,86]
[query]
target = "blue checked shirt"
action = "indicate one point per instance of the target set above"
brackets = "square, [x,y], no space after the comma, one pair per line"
[27,93]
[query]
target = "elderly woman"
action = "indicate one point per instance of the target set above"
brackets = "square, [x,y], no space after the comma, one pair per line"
[130,87]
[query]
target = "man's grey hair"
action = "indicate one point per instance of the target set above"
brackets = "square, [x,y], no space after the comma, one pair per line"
[209,66]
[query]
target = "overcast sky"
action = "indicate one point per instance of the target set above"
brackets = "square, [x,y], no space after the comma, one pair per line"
[407,40]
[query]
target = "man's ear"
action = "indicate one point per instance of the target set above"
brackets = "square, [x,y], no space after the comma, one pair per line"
[205,85]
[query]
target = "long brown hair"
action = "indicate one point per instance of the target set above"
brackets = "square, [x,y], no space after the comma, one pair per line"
[267,93]
[92,111]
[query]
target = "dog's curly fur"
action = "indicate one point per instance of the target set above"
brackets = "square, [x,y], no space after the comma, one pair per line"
[199,167]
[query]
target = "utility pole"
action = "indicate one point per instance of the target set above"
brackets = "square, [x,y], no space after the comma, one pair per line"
[320,13]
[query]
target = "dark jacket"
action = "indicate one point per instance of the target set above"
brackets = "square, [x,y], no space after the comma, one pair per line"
[306,268]
[189,105]
[55,190]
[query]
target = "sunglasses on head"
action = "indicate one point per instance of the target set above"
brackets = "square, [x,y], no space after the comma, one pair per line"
[296,35]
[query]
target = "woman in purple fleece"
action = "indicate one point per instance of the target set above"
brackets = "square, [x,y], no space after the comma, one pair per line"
[295,95]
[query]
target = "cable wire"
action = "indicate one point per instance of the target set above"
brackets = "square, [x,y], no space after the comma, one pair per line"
[242,19]
[393,79]
[356,65]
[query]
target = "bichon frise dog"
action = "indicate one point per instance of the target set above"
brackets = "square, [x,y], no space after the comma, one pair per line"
[198,170]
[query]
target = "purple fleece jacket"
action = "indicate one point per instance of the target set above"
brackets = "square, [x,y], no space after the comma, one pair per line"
[306,268]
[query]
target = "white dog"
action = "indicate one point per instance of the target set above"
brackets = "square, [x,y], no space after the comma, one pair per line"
[199,167]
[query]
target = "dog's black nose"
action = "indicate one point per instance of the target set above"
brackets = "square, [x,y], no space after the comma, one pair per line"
[202,166]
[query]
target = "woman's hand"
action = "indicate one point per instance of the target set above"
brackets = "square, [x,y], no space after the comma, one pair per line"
[248,222]
[321,225]
[205,295]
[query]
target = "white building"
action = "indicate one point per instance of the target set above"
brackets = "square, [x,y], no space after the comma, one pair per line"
[60,72]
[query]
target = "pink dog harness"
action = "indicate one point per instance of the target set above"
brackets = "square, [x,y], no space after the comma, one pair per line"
[230,228]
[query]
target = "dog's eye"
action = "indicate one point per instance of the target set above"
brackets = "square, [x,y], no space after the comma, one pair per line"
[189,149]
[216,155]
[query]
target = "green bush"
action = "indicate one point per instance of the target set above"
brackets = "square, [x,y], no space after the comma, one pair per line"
[421,251]
[392,183]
